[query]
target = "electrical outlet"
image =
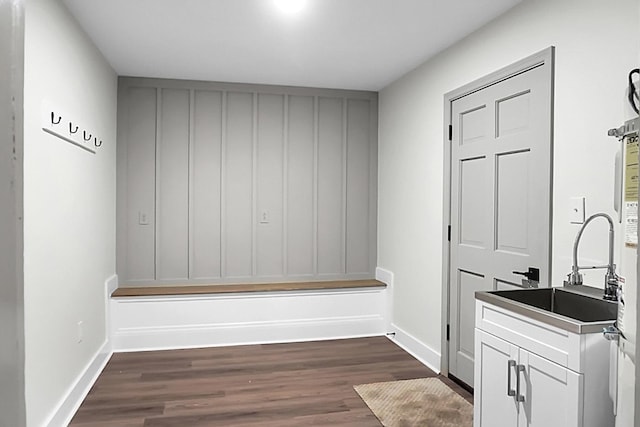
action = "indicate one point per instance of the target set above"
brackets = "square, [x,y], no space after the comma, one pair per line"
[143,218]
[80,331]
[576,213]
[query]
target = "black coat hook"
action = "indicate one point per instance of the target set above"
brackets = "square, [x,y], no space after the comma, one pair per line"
[95,142]
[71,130]
[84,135]
[53,121]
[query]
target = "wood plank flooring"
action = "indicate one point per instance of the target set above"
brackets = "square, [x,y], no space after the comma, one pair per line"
[299,384]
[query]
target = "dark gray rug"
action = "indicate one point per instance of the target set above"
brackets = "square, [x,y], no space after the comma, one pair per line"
[424,402]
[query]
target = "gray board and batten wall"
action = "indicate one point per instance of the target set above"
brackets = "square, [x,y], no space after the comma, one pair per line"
[237,183]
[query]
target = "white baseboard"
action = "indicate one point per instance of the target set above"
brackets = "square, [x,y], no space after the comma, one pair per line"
[74,396]
[246,334]
[425,354]
[171,322]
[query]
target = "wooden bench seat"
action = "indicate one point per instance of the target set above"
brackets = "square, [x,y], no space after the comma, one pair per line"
[144,291]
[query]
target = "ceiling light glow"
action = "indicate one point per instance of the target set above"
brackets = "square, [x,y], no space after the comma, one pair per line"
[291,6]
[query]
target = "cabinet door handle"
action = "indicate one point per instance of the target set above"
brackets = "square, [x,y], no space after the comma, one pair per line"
[519,397]
[510,364]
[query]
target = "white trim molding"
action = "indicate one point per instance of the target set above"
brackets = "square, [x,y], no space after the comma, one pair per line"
[425,354]
[171,322]
[75,395]
[386,277]
[545,59]
[111,284]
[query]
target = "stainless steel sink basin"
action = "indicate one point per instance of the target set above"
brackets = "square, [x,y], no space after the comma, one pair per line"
[579,309]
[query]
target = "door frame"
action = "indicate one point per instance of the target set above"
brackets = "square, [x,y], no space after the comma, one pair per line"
[545,59]
[12,387]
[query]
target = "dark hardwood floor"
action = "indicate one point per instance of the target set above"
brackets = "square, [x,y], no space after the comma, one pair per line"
[300,384]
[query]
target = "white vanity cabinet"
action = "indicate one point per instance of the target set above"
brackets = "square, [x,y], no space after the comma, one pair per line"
[532,374]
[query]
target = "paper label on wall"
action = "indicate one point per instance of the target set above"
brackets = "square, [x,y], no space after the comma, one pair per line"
[631,169]
[621,289]
[631,224]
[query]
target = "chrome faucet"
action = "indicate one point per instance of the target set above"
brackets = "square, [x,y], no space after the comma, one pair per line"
[610,278]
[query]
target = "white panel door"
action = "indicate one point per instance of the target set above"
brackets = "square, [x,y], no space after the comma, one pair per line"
[500,198]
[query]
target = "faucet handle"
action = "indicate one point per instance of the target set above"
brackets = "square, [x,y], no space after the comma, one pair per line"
[574,278]
[611,286]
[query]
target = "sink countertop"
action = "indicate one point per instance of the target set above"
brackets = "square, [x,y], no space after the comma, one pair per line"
[548,317]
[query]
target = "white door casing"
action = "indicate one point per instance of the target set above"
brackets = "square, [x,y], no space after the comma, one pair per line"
[500,192]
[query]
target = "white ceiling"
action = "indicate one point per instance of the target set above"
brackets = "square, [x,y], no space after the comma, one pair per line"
[348,44]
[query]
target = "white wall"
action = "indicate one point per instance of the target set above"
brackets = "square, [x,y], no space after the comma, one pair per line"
[593,41]
[69,206]
[12,407]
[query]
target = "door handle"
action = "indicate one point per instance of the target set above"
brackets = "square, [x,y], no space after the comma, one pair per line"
[519,397]
[510,364]
[532,274]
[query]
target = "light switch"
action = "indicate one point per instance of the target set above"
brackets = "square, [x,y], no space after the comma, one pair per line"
[264,217]
[577,208]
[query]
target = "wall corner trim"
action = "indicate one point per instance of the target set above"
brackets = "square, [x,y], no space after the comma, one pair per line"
[425,354]
[75,395]
[111,284]
[386,277]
